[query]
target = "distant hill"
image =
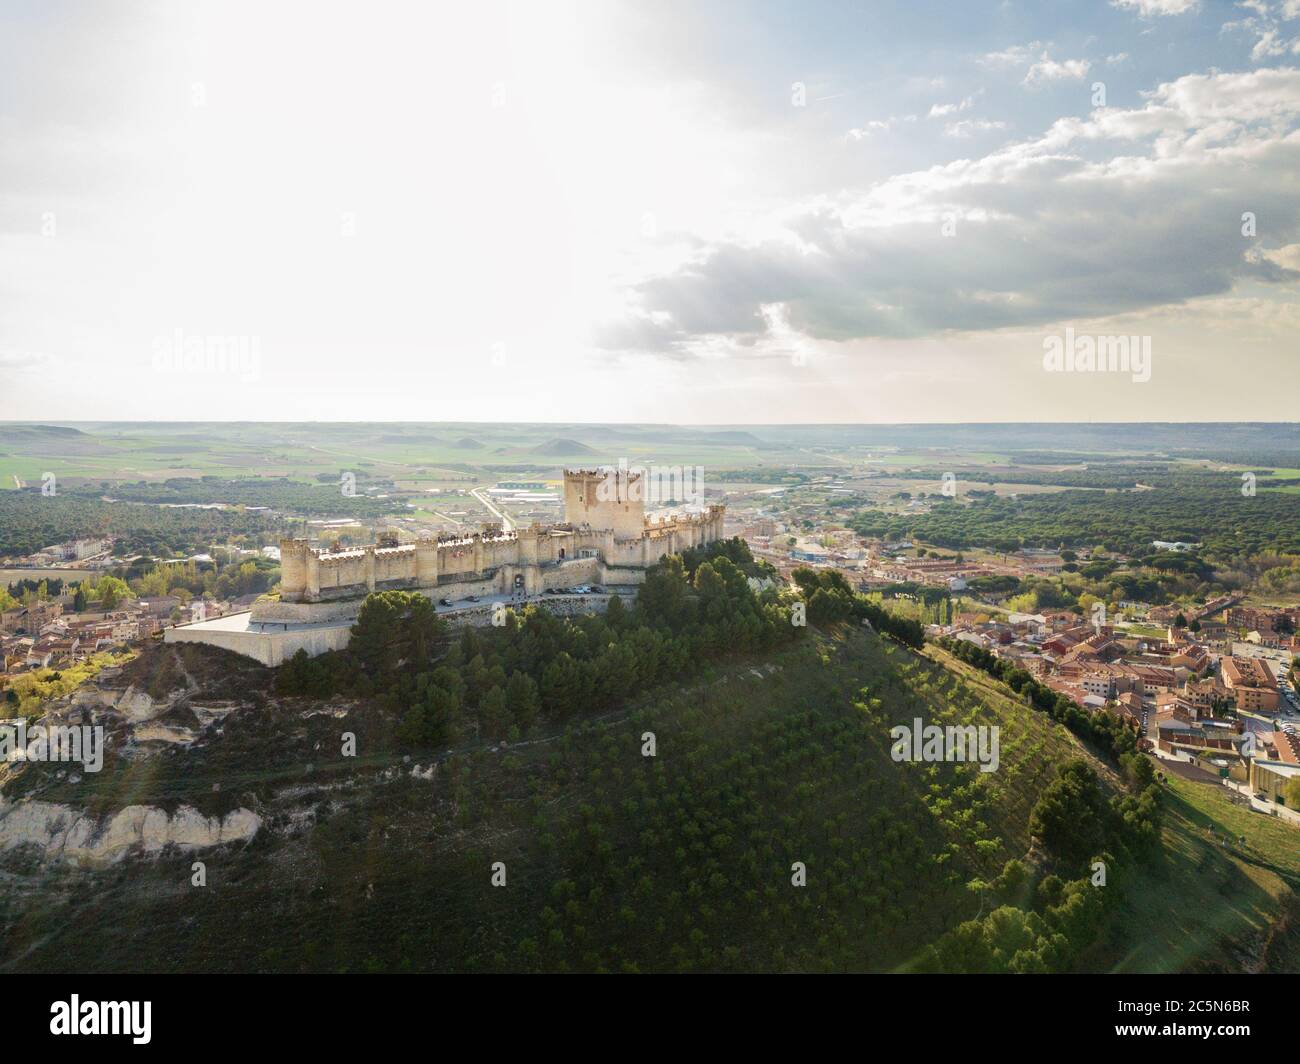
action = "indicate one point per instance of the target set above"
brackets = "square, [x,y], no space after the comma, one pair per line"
[747,439]
[39,439]
[468,443]
[24,433]
[411,437]
[560,445]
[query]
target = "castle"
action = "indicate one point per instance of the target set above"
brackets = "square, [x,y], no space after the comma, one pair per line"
[606,538]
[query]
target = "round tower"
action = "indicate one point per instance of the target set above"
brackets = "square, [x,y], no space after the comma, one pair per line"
[293,569]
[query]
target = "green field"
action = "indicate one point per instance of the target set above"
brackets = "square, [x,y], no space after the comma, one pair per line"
[159,451]
[1215,902]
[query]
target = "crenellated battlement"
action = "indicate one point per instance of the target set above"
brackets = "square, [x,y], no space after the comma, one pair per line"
[605,520]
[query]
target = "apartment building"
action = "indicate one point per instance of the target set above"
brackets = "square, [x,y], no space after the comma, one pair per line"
[1251,684]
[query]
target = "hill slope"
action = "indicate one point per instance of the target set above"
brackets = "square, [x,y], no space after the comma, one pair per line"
[612,860]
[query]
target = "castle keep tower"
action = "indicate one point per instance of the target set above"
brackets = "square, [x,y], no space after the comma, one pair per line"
[611,499]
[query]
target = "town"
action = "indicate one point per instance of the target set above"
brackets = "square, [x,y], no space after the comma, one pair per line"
[1208,685]
[632,488]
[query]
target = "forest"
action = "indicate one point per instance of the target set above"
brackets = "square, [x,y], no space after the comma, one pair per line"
[324,497]
[497,682]
[30,521]
[1228,524]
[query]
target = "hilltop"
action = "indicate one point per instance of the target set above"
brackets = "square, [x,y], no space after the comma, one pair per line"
[560,446]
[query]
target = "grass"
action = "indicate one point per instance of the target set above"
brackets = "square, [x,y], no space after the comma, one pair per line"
[1210,905]
[1145,631]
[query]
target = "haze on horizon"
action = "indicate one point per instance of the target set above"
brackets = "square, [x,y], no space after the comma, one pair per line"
[734,213]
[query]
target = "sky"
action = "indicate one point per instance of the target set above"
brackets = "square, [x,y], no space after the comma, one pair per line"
[650,212]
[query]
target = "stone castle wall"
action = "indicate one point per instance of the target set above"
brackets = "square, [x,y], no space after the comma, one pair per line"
[270,647]
[330,624]
[610,526]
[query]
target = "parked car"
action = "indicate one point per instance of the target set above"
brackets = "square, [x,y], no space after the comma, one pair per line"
[471,598]
[596,589]
[444,602]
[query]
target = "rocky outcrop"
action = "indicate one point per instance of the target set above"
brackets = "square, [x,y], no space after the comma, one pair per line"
[164,733]
[63,833]
[136,705]
[132,704]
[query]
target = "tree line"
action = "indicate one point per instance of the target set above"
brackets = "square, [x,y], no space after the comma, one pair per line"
[498,682]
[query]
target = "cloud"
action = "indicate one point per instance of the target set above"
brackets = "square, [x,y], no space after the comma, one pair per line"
[1155,8]
[1038,58]
[1016,55]
[1265,25]
[25,361]
[968,127]
[878,125]
[1125,210]
[1048,69]
[940,110]
[1287,257]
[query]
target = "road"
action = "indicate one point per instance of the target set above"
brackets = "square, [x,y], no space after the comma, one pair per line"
[507,525]
[832,457]
[364,457]
[519,600]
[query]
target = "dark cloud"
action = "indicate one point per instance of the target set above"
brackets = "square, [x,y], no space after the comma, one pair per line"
[1123,211]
